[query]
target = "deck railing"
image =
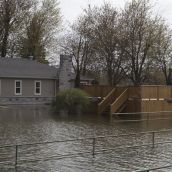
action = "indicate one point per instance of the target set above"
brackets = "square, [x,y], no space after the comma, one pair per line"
[106,101]
[119,102]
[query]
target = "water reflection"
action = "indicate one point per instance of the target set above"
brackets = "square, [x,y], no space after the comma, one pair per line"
[32,124]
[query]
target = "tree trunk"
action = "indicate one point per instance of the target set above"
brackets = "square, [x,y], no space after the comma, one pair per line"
[4,44]
[77,80]
[84,70]
[137,82]
[110,78]
[169,78]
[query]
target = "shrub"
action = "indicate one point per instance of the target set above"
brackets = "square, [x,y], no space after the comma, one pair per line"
[71,100]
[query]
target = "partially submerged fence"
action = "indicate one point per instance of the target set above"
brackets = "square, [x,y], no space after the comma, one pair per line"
[146,98]
[95,146]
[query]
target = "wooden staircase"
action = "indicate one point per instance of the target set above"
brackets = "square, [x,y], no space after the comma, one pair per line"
[103,106]
[120,103]
[114,102]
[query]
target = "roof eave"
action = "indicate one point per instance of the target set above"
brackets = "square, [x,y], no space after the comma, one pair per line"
[29,77]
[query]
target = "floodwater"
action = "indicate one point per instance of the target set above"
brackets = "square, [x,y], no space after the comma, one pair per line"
[35,124]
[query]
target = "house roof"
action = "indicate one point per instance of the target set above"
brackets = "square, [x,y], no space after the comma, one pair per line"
[25,68]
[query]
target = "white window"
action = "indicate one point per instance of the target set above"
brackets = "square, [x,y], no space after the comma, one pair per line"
[37,87]
[18,87]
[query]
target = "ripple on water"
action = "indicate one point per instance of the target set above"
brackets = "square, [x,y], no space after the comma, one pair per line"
[40,124]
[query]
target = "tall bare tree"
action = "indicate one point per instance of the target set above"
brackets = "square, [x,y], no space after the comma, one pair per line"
[103,29]
[162,51]
[80,47]
[138,34]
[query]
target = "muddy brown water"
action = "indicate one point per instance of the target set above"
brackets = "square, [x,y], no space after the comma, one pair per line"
[33,124]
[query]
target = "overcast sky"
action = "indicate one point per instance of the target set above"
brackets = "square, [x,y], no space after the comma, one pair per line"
[70,9]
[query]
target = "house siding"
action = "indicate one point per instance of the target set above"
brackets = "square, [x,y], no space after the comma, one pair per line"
[28,91]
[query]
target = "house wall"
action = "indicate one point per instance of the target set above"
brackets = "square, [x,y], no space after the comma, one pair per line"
[7,92]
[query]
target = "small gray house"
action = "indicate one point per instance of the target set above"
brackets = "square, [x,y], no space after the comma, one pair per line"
[24,81]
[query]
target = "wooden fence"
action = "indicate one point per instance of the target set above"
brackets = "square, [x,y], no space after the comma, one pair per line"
[146,98]
[159,92]
[140,92]
[97,91]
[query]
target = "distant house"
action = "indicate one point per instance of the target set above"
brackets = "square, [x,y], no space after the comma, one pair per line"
[84,80]
[24,81]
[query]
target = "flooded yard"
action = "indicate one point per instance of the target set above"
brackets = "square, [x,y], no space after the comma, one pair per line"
[26,125]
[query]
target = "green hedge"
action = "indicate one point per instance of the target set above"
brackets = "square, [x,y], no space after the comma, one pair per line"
[71,100]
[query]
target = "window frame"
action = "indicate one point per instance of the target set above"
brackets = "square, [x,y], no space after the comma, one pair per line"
[40,88]
[18,94]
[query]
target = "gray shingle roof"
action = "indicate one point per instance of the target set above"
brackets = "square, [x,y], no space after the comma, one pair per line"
[25,68]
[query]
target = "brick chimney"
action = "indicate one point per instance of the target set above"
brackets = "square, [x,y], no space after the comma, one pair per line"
[65,72]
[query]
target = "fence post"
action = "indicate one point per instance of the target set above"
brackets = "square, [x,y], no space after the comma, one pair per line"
[16,157]
[153,139]
[94,144]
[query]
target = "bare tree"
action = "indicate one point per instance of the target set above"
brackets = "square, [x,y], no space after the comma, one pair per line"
[103,29]
[163,51]
[138,34]
[79,46]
